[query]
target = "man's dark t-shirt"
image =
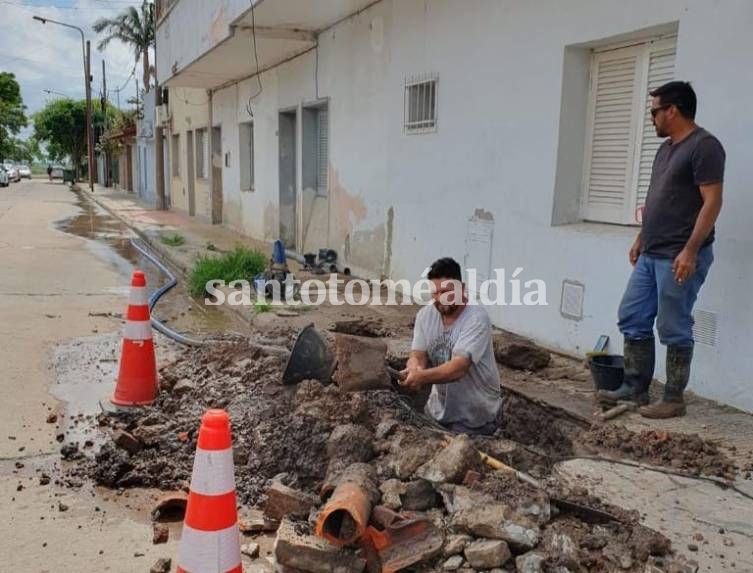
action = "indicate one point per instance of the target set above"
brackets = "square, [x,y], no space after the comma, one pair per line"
[674,198]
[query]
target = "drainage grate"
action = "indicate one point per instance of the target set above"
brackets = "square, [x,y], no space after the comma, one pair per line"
[571,305]
[705,327]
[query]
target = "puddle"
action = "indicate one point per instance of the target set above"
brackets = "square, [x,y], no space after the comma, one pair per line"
[110,240]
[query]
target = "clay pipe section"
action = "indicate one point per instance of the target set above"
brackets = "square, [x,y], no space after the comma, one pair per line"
[345,516]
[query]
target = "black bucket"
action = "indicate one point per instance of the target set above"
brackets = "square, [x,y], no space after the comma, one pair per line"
[607,371]
[310,359]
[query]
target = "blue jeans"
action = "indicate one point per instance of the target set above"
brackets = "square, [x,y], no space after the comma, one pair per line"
[653,294]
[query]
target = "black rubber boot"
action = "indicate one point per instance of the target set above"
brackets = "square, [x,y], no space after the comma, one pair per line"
[678,374]
[639,371]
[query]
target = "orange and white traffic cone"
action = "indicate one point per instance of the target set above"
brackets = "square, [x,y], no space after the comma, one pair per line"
[211,539]
[137,379]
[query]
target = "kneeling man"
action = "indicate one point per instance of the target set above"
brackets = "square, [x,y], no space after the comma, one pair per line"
[452,352]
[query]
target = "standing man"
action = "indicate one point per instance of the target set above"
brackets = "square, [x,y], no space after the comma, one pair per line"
[673,252]
[452,352]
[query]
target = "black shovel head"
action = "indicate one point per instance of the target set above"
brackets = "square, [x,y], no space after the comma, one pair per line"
[310,359]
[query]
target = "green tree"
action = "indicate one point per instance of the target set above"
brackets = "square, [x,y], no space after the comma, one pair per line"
[61,124]
[135,28]
[12,116]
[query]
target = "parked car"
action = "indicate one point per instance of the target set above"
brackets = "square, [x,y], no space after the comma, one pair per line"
[57,171]
[24,172]
[4,180]
[12,171]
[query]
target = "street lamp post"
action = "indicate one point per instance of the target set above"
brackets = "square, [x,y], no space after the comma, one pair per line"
[87,85]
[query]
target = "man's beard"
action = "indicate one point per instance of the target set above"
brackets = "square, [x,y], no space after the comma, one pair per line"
[660,132]
[447,309]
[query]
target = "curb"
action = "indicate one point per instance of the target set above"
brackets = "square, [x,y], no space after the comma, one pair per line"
[161,251]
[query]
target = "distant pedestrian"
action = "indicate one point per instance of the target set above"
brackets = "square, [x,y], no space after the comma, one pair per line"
[49,172]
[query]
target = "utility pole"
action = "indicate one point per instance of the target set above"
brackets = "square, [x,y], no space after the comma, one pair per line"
[106,170]
[159,151]
[86,52]
[89,126]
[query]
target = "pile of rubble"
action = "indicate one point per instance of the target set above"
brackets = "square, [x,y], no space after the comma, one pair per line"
[426,500]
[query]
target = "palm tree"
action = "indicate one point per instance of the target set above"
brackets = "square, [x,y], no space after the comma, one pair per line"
[135,27]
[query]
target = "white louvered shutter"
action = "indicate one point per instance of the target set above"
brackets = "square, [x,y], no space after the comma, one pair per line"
[660,60]
[615,77]
[322,151]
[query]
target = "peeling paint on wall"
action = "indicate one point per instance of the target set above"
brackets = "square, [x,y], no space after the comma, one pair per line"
[387,267]
[271,222]
[365,249]
[349,210]
[479,236]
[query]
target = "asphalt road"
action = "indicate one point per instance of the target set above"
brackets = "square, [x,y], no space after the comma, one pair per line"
[51,283]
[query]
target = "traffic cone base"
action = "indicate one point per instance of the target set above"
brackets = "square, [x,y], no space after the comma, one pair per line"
[137,376]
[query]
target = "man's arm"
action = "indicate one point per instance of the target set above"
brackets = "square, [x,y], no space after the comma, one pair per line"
[684,263]
[418,360]
[447,373]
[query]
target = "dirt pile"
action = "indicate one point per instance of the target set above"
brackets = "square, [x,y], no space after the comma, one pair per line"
[685,452]
[304,437]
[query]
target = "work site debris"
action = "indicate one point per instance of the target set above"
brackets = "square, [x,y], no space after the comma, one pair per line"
[424,499]
[686,452]
[162,565]
[297,547]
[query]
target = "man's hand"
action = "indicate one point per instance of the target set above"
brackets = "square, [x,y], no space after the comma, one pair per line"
[412,379]
[684,265]
[635,251]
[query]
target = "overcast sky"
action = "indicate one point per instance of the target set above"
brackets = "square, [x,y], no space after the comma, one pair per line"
[48,57]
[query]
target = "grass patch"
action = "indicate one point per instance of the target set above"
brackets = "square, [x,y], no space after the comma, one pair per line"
[261,307]
[174,240]
[239,264]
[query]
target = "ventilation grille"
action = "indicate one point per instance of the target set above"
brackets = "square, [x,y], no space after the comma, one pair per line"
[705,328]
[571,305]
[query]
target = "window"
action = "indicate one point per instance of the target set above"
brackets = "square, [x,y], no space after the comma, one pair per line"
[246,147]
[621,141]
[322,151]
[202,154]
[421,105]
[175,159]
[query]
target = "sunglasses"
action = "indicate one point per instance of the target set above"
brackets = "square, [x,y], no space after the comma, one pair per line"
[656,110]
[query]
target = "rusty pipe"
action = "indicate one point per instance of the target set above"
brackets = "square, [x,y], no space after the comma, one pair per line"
[345,516]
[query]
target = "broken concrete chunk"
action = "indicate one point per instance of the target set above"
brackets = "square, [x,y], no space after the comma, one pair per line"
[455,544]
[360,363]
[419,495]
[313,554]
[350,441]
[254,525]
[487,553]
[520,355]
[162,565]
[250,550]
[151,435]
[531,562]
[385,428]
[453,563]
[285,501]
[498,521]
[452,462]
[183,386]
[392,490]
[566,550]
[458,497]
[126,441]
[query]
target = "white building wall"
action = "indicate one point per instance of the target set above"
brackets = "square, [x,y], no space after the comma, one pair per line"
[495,153]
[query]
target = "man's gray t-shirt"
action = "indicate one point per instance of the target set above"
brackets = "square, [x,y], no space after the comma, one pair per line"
[674,198]
[474,399]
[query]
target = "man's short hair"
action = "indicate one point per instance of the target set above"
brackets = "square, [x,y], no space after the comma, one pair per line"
[679,94]
[445,268]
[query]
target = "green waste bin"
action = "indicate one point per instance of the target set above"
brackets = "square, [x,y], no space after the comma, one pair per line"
[69,176]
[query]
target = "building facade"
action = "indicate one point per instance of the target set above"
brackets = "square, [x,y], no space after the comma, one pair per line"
[507,134]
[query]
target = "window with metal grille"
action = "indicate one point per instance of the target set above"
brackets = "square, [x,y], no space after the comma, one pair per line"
[202,154]
[175,159]
[322,151]
[421,104]
[246,134]
[622,142]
